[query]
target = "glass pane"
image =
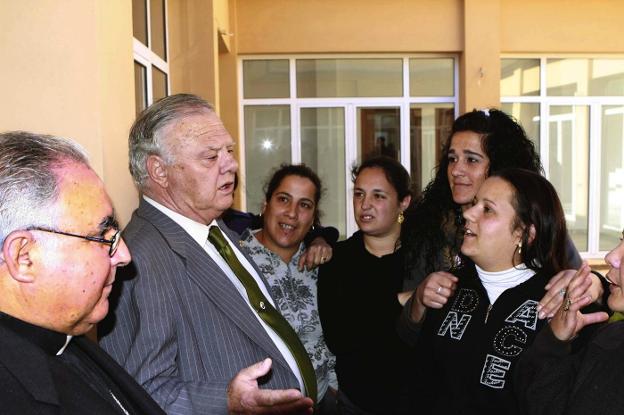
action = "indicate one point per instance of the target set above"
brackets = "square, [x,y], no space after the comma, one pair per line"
[430,127]
[267,145]
[431,77]
[585,77]
[157,28]
[520,77]
[528,115]
[159,84]
[568,136]
[266,79]
[139,20]
[611,177]
[140,87]
[349,78]
[323,149]
[379,132]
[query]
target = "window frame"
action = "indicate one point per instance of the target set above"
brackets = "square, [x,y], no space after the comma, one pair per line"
[595,104]
[145,56]
[350,105]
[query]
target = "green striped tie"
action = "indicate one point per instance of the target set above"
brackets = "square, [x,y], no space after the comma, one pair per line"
[266,311]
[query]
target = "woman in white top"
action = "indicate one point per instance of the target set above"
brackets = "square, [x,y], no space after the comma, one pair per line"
[471,326]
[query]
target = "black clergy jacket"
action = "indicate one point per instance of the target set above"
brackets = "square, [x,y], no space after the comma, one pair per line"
[82,380]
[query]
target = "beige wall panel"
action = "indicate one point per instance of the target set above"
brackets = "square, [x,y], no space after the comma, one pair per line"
[116,101]
[222,15]
[193,48]
[49,72]
[228,92]
[480,62]
[67,70]
[318,26]
[591,26]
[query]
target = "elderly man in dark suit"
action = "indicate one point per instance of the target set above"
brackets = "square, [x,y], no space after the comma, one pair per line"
[60,250]
[191,317]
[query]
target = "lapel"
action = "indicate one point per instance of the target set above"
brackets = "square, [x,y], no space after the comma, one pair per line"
[28,365]
[138,397]
[210,279]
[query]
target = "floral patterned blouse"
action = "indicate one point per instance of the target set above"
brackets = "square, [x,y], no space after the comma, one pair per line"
[295,295]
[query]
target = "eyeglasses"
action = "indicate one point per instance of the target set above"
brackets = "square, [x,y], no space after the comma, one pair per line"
[113,242]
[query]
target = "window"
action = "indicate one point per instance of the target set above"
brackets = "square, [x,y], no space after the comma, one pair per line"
[151,69]
[574,110]
[331,112]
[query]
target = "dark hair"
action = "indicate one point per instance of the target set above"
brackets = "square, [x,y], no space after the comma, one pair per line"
[536,204]
[394,171]
[434,216]
[504,140]
[301,170]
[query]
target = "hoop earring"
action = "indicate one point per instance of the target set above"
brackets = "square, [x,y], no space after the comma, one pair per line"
[400,218]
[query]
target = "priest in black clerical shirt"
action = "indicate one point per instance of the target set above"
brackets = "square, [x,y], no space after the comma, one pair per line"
[60,250]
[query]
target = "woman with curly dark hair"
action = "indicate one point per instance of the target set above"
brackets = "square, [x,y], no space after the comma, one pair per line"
[481,143]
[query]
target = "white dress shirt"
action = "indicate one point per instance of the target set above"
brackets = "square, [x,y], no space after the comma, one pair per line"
[199,233]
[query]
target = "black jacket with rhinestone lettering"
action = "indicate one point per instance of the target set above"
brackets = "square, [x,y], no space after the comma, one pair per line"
[469,348]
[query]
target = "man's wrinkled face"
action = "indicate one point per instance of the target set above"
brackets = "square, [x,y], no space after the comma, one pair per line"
[74,276]
[200,174]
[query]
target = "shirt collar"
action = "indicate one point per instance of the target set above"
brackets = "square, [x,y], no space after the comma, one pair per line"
[197,231]
[52,342]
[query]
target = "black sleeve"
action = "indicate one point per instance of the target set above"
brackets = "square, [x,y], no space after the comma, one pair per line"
[239,221]
[408,330]
[353,316]
[545,375]
[330,234]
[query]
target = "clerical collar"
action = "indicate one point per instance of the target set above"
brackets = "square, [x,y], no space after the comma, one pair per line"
[52,342]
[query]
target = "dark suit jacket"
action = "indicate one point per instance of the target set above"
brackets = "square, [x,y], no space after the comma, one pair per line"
[29,384]
[181,328]
[551,380]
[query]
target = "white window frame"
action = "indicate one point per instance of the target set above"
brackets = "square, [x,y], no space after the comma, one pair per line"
[350,106]
[594,103]
[148,58]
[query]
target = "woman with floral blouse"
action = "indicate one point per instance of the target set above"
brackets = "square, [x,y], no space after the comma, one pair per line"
[290,210]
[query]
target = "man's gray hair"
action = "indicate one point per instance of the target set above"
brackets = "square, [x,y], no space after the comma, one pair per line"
[28,183]
[145,135]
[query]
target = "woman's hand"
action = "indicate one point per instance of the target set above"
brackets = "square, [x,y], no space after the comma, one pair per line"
[553,299]
[319,252]
[557,287]
[569,320]
[433,292]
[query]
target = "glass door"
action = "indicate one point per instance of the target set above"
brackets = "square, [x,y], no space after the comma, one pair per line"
[568,165]
[378,132]
[323,149]
[335,137]
[430,126]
